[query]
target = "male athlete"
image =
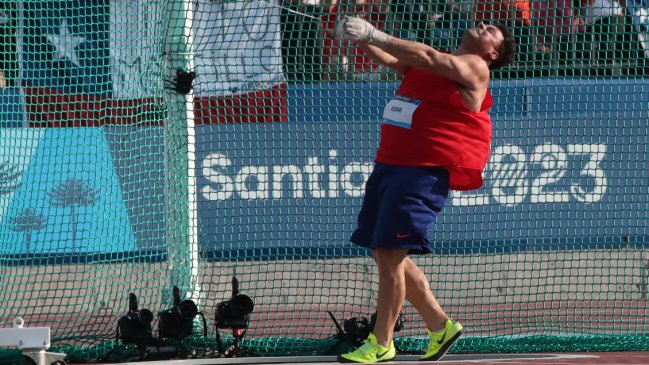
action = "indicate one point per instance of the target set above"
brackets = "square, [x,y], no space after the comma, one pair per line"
[435,136]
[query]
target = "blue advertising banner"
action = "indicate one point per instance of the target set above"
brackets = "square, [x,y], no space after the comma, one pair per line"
[59,191]
[568,170]
[76,190]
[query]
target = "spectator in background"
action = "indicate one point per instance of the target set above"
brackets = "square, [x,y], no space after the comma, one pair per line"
[302,39]
[8,56]
[639,12]
[456,21]
[341,60]
[517,15]
[608,36]
[415,19]
[453,17]
[556,21]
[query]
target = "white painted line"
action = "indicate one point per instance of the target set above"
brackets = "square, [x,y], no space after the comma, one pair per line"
[400,359]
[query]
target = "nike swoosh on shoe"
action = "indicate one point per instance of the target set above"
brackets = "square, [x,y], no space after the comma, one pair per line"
[379,356]
[441,340]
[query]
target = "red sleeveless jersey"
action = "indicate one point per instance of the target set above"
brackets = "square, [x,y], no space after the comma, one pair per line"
[426,124]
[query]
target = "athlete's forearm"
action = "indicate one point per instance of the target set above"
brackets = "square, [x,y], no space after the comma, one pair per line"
[412,53]
[377,43]
[382,57]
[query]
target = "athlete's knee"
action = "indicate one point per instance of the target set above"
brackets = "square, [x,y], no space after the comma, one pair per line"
[390,263]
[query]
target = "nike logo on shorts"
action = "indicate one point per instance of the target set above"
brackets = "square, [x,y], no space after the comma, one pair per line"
[403,235]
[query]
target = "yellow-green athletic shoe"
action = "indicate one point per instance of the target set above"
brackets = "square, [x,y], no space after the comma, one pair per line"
[441,341]
[370,352]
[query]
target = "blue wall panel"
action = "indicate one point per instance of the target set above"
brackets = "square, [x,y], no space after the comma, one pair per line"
[568,170]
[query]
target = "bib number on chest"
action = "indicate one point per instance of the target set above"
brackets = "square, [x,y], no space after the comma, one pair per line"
[399,111]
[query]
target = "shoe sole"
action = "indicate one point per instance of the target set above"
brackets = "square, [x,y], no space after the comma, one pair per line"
[348,361]
[444,349]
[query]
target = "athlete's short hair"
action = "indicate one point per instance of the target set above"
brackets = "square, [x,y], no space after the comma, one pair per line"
[507,49]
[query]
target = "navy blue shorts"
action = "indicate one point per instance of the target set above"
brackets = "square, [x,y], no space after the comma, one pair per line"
[400,207]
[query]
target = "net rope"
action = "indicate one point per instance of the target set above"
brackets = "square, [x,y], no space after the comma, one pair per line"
[550,255]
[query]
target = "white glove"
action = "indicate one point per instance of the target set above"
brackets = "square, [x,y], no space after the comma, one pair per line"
[339,27]
[357,29]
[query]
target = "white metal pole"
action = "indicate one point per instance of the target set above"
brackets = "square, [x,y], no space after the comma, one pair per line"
[182,215]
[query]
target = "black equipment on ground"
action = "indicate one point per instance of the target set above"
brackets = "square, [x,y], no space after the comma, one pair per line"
[135,326]
[177,321]
[355,330]
[233,314]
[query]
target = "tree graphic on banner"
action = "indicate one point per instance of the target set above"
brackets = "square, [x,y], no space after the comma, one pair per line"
[9,176]
[27,221]
[73,193]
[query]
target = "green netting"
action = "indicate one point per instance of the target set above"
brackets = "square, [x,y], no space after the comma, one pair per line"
[114,179]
